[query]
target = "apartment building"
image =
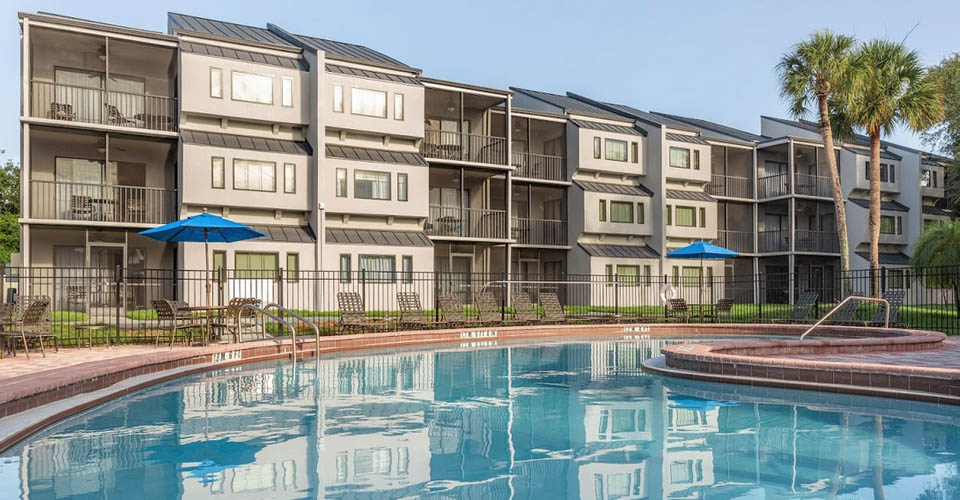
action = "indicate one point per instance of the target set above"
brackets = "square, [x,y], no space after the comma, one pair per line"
[349,159]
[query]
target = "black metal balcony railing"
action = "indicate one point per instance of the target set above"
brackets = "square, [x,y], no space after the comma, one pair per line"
[535,166]
[101,203]
[445,145]
[817,241]
[731,186]
[72,103]
[539,231]
[738,241]
[773,185]
[773,241]
[814,185]
[467,223]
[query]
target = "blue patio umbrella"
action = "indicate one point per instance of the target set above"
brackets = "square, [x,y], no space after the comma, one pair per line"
[206,228]
[702,250]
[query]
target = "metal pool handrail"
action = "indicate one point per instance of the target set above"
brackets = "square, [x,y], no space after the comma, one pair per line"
[885,302]
[316,330]
[262,310]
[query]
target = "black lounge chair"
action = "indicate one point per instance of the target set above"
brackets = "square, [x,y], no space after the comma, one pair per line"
[452,311]
[411,310]
[526,312]
[677,310]
[353,314]
[802,305]
[721,310]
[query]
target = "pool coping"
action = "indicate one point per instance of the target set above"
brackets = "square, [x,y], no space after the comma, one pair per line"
[33,392]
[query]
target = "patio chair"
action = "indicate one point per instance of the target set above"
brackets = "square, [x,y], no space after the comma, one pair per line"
[81,207]
[168,320]
[236,320]
[552,310]
[353,314]
[721,310]
[526,312]
[32,324]
[846,313]
[60,111]
[802,305]
[895,298]
[411,311]
[487,308]
[115,117]
[677,310]
[452,309]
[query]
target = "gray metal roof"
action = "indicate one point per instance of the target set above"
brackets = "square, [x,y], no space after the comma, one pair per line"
[620,251]
[246,142]
[567,103]
[866,152]
[376,75]
[606,187]
[340,50]
[375,237]
[932,210]
[719,131]
[286,234]
[223,28]
[677,194]
[889,258]
[893,206]
[606,127]
[686,138]
[377,155]
[244,55]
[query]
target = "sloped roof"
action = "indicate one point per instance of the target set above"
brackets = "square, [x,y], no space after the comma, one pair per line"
[567,103]
[932,210]
[712,129]
[246,142]
[893,206]
[287,234]
[376,237]
[375,155]
[620,251]
[223,28]
[376,75]
[606,127]
[888,258]
[244,55]
[866,152]
[692,139]
[606,187]
[340,50]
[677,194]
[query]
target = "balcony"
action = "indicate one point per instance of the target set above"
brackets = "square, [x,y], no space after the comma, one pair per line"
[814,185]
[774,241]
[540,232]
[730,186]
[772,186]
[77,104]
[455,222]
[541,167]
[75,201]
[738,241]
[817,241]
[455,146]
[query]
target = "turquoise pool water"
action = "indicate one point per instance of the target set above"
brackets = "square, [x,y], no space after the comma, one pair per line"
[486,421]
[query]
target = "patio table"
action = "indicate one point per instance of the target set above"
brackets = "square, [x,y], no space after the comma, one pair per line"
[208,314]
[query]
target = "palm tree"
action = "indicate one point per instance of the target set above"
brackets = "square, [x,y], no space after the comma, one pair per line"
[891,88]
[938,245]
[818,72]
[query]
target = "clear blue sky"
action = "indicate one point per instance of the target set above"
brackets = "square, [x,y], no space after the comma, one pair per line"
[712,60]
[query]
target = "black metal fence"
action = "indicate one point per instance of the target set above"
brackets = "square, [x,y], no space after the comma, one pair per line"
[120,299]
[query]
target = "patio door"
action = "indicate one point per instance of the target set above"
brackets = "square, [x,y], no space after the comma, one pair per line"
[104,259]
[82,91]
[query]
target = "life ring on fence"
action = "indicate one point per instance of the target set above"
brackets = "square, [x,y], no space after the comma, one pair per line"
[667,292]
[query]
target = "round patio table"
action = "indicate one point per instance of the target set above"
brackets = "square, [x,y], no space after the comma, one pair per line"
[89,329]
[208,314]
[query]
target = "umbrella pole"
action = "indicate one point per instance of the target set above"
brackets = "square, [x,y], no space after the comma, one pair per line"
[206,264]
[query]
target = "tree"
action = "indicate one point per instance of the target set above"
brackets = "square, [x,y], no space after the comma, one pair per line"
[9,210]
[817,72]
[938,245]
[890,88]
[945,136]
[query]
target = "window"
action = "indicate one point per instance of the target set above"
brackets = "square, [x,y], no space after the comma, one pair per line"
[286,91]
[669,215]
[866,170]
[216,172]
[608,271]
[641,215]
[691,276]
[255,265]
[892,173]
[216,83]
[676,275]
[634,152]
[345,267]
[407,262]
[337,99]
[596,148]
[679,157]
[398,106]
[402,187]
[615,150]
[370,185]
[341,183]
[219,264]
[696,159]
[368,103]
[889,224]
[621,211]
[899,225]
[253,175]
[293,267]
[289,178]
[250,87]
[934,179]
[378,268]
[928,178]
[628,275]
[897,279]
[686,217]
[703,217]
[646,275]
[603,210]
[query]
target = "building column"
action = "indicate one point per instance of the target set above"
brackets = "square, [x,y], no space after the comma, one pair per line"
[508,195]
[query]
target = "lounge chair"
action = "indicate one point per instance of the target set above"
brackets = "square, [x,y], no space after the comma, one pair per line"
[353,314]
[170,320]
[802,305]
[411,310]
[452,310]
[846,313]
[552,310]
[60,111]
[895,298]
[487,308]
[721,310]
[115,117]
[677,310]
[32,324]
[526,312]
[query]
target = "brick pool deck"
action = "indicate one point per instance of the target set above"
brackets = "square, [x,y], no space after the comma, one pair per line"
[915,365]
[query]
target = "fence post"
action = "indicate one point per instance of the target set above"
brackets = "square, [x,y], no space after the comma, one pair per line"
[280,287]
[118,280]
[436,296]
[363,286]
[616,293]
[883,279]
[503,297]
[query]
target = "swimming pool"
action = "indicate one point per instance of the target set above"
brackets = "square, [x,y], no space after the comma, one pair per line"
[485,420]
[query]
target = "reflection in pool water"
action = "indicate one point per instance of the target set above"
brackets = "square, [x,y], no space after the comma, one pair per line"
[552,420]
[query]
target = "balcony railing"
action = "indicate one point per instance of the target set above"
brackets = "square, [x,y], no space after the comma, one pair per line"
[445,145]
[731,186]
[72,103]
[458,222]
[814,185]
[101,203]
[539,231]
[738,241]
[817,241]
[773,185]
[544,167]
[774,241]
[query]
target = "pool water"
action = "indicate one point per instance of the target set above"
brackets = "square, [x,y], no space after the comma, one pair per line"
[484,421]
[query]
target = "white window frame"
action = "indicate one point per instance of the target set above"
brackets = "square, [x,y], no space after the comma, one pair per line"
[233,87]
[398,111]
[246,177]
[338,98]
[290,187]
[356,102]
[341,193]
[216,75]
[214,167]
[286,91]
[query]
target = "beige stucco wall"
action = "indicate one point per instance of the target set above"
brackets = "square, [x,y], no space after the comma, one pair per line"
[591,214]
[864,183]
[588,162]
[708,232]
[417,189]
[687,174]
[413,95]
